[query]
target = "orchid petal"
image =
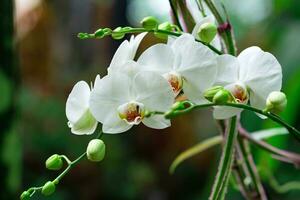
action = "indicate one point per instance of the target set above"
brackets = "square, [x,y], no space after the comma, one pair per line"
[126,50]
[153,91]
[158,58]
[261,72]
[113,91]
[221,112]
[157,122]
[78,101]
[228,70]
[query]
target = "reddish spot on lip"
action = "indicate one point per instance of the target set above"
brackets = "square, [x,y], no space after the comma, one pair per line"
[240,94]
[132,115]
[175,82]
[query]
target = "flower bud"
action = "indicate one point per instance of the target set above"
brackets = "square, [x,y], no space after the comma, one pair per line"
[207,32]
[95,150]
[276,102]
[149,23]
[54,162]
[83,35]
[48,188]
[25,195]
[117,34]
[178,106]
[100,33]
[222,96]
[166,26]
[211,92]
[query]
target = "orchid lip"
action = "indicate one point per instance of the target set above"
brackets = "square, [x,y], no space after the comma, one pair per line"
[175,80]
[239,92]
[132,112]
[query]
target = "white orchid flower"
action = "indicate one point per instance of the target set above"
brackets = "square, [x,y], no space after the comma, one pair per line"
[187,65]
[121,101]
[251,76]
[216,42]
[81,121]
[125,54]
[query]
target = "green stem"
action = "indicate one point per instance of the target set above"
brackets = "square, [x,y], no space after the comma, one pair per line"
[227,34]
[272,116]
[251,168]
[141,30]
[71,164]
[175,14]
[201,8]
[239,175]
[226,161]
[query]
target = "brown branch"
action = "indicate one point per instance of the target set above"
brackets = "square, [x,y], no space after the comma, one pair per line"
[281,155]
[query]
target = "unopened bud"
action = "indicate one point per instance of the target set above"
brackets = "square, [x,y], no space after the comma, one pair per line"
[222,96]
[54,162]
[276,102]
[166,26]
[207,32]
[149,23]
[100,33]
[117,34]
[83,35]
[95,150]
[25,195]
[178,106]
[48,188]
[211,92]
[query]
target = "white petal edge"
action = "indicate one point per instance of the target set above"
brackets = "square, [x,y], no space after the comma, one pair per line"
[78,101]
[157,122]
[222,112]
[126,51]
[116,128]
[260,71]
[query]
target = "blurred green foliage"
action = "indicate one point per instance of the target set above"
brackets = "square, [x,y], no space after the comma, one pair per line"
[137,162]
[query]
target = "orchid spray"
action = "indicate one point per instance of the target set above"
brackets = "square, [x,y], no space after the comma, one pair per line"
[196,67]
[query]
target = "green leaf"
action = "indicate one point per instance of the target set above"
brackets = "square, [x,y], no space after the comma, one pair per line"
[268,133]
[283,188]
[198,148]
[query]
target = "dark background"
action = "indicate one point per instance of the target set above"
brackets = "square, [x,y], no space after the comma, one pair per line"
[37,75]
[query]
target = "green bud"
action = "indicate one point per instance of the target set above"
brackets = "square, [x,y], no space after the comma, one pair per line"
[95,150]
[166,26]
[25,195]
[100,33]
[117,34]
[178,106]
[83,35]
[207,32]
[48,188]
[222,96]
[276,102]
[211,92]
[149,23]
[54,162]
